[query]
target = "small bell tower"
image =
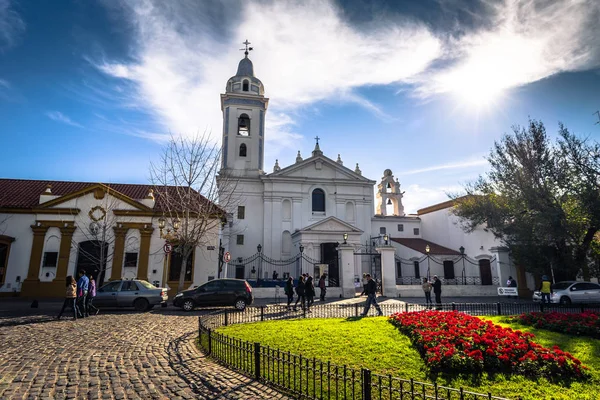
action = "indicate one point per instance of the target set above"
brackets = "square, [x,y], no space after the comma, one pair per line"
[388,193]
[244,107]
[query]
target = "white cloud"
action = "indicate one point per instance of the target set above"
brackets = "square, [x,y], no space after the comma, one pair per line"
[4,83]
[60,117]
[454,165]
[305,52]
[526,41]
[11,25]
[418,196]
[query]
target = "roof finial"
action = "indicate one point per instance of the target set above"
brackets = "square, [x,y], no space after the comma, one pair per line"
[339,160]
[317,151]
[357,170]
[247,49]
[276,167]
[298,157]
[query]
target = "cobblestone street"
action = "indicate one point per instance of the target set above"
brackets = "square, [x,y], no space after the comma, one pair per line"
[118,356]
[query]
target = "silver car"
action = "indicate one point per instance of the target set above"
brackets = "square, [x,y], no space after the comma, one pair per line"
[568,292]
[136,293]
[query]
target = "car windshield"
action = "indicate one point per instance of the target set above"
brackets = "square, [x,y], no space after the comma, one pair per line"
[561,285]
[147,285]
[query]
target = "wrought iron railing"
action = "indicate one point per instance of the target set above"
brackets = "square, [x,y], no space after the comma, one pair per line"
[459,280]
[310,378]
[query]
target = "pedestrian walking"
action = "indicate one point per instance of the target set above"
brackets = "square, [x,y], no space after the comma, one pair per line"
[427,290]
[309,290]
[437,290]
[83,285]
[371,292]
[91,308]
[301,294]
[70,297]
[546,289]
[323,287]
[289,291]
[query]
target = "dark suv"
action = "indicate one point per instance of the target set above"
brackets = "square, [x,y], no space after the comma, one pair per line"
[218,292]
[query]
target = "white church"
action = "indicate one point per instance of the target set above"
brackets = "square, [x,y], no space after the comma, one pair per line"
[317,215]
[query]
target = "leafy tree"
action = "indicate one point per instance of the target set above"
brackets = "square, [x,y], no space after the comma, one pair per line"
[540,197]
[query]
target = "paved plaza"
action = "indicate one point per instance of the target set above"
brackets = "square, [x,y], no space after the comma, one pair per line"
[114,356]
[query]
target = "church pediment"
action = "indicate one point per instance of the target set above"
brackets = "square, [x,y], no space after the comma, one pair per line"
[320,167]
[331,224]
[100,193]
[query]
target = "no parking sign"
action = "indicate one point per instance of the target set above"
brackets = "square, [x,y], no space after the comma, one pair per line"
[168,247]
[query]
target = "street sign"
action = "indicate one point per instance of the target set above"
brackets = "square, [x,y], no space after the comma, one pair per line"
[168,248]
[227,257]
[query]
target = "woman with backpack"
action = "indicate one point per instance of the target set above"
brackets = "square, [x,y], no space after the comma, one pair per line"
[289,291]
[301,293]
[70,297]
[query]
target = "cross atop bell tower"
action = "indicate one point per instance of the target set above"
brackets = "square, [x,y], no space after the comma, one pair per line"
[247,49]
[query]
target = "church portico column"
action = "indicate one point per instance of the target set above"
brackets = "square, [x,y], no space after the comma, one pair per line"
[145,235]
[31,284]
[64,253]
[388,271]
[117,259]
[346,252]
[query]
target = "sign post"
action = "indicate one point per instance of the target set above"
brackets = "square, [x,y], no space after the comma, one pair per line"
[226,259]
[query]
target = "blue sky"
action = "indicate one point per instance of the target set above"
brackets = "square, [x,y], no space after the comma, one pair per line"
[90,89]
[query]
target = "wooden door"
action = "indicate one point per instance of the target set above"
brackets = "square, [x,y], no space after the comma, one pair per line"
[485,272]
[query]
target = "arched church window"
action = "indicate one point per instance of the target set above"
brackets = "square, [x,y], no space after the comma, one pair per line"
[244,125]
[245,85]
[243,150]
[318,200]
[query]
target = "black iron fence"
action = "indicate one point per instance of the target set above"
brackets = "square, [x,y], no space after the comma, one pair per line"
[263,271]
[459,280]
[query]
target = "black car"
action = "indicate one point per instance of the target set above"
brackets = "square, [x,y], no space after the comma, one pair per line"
[218,292]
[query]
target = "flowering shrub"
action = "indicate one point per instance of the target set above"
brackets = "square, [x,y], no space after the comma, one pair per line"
[586,323]
[457,342]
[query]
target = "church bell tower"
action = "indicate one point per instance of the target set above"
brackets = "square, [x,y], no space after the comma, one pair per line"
[389,194]
[244,107]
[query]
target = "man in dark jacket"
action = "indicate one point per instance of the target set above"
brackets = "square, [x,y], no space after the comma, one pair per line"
[322,286]
[437,290]
[370,291]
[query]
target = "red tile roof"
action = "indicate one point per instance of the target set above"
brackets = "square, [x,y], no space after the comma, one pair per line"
[419,245]
[23,193]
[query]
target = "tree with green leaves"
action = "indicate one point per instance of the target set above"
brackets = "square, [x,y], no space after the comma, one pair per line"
[541,198]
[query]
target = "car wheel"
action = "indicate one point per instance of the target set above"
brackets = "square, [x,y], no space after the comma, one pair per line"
[565,300]
[240,304]
[141,305]
[188,305]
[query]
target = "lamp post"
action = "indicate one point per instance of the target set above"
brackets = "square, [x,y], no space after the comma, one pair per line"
[345,238]
[300,258]
[462,254]
[259,249]
[386,238]
[427,249]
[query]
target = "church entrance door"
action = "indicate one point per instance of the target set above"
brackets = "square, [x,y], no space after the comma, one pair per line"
[329,256]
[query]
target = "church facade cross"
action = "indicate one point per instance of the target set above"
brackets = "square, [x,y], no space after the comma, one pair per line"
[317,139]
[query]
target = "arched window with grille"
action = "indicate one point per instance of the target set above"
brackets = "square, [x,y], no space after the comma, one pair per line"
[318,200]
[244,125]
[243,150]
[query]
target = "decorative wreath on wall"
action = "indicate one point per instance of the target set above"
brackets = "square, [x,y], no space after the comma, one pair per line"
[97,213]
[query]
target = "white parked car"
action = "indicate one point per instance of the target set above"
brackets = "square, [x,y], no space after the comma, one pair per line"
[568,292]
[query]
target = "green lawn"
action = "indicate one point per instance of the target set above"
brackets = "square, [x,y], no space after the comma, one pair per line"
[375,344]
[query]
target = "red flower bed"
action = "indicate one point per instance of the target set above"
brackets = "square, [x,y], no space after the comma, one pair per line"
[586,323]
[457,342]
